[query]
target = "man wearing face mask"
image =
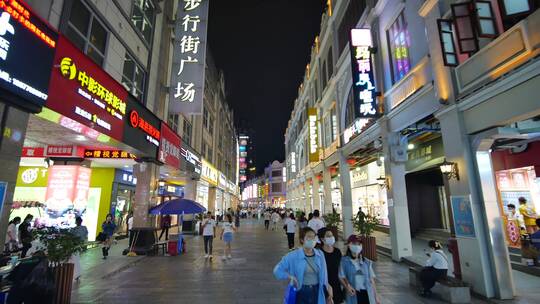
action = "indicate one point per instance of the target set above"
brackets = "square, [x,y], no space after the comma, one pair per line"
[305,268]
[357,275]
[332,255]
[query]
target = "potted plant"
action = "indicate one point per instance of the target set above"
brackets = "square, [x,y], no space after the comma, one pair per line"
[332,221]
[58,246]
[365,224]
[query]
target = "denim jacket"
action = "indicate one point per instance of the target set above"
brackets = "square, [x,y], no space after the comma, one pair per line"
[350,274]
[295,263]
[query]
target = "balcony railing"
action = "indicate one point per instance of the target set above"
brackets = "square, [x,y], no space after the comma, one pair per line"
[419,76]
[514,47]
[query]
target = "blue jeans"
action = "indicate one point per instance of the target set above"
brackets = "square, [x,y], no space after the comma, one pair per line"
[308,294]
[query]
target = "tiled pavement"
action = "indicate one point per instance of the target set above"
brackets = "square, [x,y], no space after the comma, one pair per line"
[189,278]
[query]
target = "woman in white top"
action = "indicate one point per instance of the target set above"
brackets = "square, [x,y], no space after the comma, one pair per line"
[12,235]
[436,267]
[227,235]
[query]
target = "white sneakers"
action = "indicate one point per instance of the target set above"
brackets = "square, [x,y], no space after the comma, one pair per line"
[206,256]
[229,256]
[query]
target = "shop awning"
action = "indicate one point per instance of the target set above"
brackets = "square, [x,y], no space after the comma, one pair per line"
[178,206]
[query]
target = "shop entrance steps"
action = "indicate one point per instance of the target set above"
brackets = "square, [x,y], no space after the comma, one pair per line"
[515,260]
[440,235]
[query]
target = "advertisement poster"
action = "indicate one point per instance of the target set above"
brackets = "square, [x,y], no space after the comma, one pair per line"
[463,218]
[67,194]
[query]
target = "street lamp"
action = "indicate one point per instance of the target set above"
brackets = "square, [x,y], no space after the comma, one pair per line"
[449,169]
[383,182]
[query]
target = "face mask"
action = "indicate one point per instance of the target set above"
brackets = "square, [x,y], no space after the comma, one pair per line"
[309,244]
[330,241]
[356,249]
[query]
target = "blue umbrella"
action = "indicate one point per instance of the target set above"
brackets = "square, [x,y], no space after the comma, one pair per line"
[178,206]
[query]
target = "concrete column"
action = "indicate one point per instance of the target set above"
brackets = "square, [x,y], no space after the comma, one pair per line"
[484,259]
[315,194]
[346,195]
[327,184]
[190,190]
[212,200]
[147,175]
[398,211]
[11,143]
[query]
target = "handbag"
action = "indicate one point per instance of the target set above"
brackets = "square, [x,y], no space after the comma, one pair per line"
[290,294]
[101,237]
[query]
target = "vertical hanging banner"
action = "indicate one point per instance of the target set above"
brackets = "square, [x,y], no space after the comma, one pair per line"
[362,70]
[313,135]
[189,55]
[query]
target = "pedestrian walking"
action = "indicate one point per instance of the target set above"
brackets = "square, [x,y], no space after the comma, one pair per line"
[316,222]
[130,228]
[81,232]
[108,228]
[237,218]
[275,219]
[25,234]
[357,275]
[305,268]
[436,267]
[209,233]
[290,229]
[332,256]
[267,217]
[227,235]
[165,225]
[12,235]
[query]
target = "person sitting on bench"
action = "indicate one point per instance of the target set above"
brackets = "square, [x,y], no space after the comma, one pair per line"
[436,267]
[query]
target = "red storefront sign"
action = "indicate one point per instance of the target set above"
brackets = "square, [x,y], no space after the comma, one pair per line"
[67,189]
[33,152]
[82,91]
[59,151]
[169,150]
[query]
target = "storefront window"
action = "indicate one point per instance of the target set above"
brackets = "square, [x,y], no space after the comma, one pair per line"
[367,193]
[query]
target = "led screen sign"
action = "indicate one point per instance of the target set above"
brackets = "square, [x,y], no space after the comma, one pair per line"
[109,154]
[82,91]
[27,46]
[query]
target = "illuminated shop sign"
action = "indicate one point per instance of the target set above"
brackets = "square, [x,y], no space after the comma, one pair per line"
[293,162]
[109,154]
[169,150]
[27,47]
[356,128]
[124,177]
[67,190]
[313,135]
[209,173]
[153,134]
[142,129]
[189,55]
[192,159]
[362,70]
[82,91]
[33,152]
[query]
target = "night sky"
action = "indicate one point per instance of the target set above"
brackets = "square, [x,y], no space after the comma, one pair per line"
[263,47]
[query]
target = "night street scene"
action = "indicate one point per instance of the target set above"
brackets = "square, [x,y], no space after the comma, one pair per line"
[270,151]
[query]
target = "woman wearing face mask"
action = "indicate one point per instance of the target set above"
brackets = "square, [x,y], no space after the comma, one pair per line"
[357,275]
[305,268]
[332,256]
[436,267]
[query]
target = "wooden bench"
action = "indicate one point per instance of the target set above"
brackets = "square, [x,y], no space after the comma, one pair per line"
[450,289]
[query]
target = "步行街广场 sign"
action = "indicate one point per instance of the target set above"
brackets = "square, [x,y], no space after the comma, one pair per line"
[189,55]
